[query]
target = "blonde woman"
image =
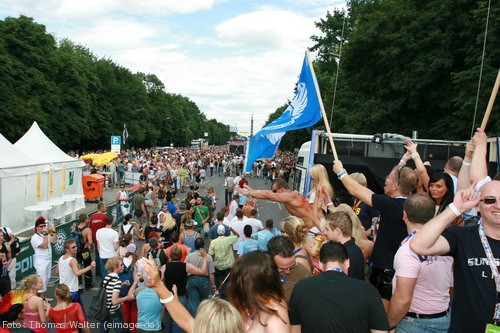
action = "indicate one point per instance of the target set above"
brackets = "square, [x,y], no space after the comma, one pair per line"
[35,309]
[228,319]
[295,228]
[366,214]
[319,176]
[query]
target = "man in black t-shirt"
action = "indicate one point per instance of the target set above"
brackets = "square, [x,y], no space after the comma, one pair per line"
[399,184]
[475,296]
[335,302]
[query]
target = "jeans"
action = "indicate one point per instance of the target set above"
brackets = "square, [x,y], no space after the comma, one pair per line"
[198,288]
[114,322]
[172,326]
[97,259]
[419,325]
[76,297]
[102,264]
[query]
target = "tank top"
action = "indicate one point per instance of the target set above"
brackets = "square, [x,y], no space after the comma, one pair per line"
[66,274]
[32,318]
[189,241]
[175,273]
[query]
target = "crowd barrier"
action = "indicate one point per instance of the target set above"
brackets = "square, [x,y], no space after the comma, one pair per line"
[24,265]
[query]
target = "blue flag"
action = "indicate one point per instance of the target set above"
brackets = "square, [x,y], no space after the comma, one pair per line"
[304,111]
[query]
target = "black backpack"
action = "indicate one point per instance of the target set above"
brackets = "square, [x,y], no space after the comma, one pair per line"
[76,235]
[99,307]
[121,240]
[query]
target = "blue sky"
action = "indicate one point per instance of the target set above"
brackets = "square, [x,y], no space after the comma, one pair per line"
[233,58]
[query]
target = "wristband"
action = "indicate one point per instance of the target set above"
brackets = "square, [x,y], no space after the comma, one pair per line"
[329,204]
[467,164]
[415,154]
[402,162]
[168,299]
[454,209]
[341,174]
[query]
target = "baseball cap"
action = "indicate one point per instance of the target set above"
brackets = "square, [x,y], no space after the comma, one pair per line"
[221,230]
[131,248]
[189,223]
[40,221]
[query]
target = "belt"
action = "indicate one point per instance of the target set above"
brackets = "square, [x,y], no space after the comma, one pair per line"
[426,316]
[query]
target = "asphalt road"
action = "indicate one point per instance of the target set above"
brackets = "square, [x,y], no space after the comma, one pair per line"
[267,210]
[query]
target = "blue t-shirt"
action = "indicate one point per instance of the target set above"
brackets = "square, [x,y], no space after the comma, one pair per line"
[263,238]
[149,310]
[248,245]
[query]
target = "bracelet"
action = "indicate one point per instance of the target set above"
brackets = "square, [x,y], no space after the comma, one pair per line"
[454,209]
[467,164]
[415,154]
[402,162]
[329,204]
[341,174]
[168,299]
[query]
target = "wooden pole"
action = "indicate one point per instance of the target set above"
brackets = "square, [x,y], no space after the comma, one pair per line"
[323,113]
[491,102]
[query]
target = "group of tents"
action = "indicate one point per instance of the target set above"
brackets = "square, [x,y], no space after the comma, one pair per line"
[33,173]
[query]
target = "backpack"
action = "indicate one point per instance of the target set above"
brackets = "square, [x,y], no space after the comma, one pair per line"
[126,274]
[121,240]
[77,235]
[99,307]
[15,247]
[155,256]
[208,201]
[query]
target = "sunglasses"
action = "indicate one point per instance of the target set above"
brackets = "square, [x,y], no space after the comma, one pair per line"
[73,247]
[490,200]
[275,190]
[42,226]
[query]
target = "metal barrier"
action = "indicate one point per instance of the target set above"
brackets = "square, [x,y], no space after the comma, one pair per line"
[25,267]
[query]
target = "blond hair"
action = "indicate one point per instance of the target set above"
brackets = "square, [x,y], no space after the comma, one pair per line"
[29,282]
[295,228]
[218,316]
[358,232]
[112,264]
[319,175]
[62,291]
[359,178]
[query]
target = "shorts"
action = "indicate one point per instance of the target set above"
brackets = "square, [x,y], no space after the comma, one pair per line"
[381,278]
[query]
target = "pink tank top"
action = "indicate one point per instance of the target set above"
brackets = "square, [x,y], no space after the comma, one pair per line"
[32,318]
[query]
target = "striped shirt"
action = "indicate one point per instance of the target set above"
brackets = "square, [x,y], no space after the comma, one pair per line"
[114,285]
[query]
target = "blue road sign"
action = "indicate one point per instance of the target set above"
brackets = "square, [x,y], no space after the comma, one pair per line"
[116,140]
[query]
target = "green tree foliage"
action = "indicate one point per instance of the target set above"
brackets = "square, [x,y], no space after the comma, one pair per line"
[80,100]
[410,65]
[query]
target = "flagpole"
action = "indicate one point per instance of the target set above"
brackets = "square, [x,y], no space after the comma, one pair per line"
[491,102]
[323,113]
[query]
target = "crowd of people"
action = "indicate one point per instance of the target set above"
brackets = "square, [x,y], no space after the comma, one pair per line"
[368,263]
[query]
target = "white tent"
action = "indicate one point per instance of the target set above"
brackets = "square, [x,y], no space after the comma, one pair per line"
[18,174]
[61,170]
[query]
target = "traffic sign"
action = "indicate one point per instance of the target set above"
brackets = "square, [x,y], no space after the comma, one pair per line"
[116,140]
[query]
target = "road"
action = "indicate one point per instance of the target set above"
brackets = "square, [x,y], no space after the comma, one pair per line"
[267,210]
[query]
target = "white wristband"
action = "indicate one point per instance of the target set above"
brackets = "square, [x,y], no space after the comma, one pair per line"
[467,164]
[402,162]
[454,209]
[167,300]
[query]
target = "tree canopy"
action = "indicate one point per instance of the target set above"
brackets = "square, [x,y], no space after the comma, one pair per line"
[80,100]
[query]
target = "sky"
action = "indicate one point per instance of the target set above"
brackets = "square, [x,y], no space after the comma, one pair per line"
[233,58]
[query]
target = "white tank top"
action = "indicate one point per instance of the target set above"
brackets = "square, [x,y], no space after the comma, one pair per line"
[66,274]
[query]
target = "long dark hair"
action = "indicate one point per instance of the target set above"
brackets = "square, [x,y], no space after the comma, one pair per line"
[254,282]
[450,192]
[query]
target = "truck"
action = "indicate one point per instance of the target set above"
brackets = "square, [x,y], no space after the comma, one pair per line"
[199,144]
[374,156]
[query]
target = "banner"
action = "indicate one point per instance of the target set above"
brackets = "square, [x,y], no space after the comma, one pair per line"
[304,111]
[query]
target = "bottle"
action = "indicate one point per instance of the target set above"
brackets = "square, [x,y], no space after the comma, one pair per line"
[318,242]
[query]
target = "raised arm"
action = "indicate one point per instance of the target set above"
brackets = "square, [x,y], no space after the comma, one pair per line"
[359,191]
[465,171]
[411,148]
[267,194]
[428,240]
[479,166]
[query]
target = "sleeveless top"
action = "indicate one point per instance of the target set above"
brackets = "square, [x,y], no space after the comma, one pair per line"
[189,241]
[66,274]
[175,273]
[32,318]
[123,195]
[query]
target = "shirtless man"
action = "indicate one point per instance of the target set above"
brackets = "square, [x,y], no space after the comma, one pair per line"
[294,202]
